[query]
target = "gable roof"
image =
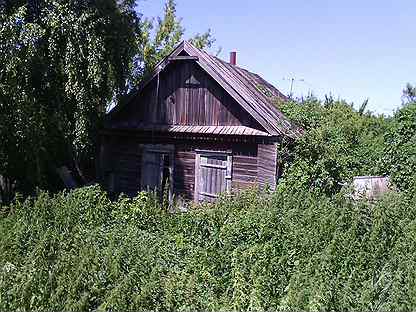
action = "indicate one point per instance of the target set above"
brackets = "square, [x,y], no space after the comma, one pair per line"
[252,92]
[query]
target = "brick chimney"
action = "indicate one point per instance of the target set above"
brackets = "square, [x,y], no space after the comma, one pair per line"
[233,58]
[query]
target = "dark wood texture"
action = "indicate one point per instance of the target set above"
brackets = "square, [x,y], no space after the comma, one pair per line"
[244,166]
[123,158]
[254,96]
[267,157]
[184,94]
[184,171]
[121,162]
[221,124]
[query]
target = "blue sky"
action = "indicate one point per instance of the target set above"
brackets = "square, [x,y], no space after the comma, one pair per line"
[350,49]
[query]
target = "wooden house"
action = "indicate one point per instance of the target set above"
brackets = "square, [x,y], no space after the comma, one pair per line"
[198,126]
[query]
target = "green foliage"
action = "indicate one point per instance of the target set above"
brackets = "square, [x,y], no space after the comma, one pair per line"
[61,64]
[158,38]
[409,93]
[400,150]
[339,143]
[79,251]
[204,40]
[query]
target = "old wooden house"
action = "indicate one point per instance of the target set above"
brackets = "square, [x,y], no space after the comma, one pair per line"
[198,127]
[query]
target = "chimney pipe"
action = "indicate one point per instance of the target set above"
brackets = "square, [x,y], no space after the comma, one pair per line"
[233,58]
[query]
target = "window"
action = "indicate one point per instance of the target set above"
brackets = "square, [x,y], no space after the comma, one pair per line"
[212,174]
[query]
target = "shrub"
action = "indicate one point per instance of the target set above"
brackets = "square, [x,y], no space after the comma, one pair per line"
[339,143]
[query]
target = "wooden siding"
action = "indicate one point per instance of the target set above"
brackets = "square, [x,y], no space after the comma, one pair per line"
[267,155]
[252,164]
[194,101]
[244,166]
[122,159]
[212,174]
[245,170]
[184,171]
[187,96]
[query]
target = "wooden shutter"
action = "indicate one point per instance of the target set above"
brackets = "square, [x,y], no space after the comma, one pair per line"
[212,175]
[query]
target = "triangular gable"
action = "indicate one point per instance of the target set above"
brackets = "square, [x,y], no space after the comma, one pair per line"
[235,83]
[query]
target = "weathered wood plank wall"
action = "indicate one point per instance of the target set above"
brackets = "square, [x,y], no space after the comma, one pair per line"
[267,154]
[245,169]
[121,157]
[244,166]
[187,96]
[184,172]
[126,157]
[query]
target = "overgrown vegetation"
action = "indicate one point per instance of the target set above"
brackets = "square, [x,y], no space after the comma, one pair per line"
[339,143]
[307,246]
[79,251]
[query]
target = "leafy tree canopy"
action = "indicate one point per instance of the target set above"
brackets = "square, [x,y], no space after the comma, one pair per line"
[158,38]
[62,64]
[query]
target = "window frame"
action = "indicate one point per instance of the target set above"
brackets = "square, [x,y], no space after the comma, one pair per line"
[167,149]
[228,174]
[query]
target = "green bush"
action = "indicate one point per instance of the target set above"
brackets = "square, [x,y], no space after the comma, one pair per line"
[78,251]
[339,143]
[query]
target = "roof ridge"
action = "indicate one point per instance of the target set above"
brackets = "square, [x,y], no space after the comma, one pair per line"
[241,84]
[259,95]
[249,72]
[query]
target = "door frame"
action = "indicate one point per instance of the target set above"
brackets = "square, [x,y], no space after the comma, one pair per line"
[228,175]
[160,149]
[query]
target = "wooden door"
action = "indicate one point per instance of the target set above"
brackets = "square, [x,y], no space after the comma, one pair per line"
[212,175]
[157,169]
[151,172]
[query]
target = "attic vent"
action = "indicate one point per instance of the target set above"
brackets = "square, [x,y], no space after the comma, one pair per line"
[192,81]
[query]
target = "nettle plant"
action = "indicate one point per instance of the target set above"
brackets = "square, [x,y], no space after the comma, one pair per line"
[278,251]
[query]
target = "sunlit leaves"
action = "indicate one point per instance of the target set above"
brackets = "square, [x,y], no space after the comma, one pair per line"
[400,152]
[339,143]
[62,65]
